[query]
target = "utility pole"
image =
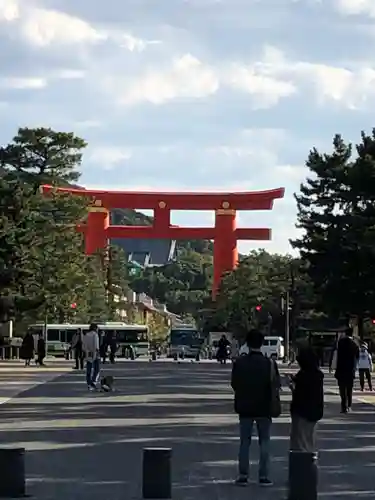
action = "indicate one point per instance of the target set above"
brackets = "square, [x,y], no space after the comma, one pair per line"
[285,301]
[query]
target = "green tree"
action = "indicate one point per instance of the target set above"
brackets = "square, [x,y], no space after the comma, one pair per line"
[17,238]
[43,156]
[260,279]
[38,238]
[336,211]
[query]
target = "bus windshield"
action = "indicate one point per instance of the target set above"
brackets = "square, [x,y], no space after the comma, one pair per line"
[185,337]
[124,336]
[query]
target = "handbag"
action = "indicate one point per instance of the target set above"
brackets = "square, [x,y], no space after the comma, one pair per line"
[275,392]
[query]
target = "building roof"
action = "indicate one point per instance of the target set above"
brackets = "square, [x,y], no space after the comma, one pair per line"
[148,252]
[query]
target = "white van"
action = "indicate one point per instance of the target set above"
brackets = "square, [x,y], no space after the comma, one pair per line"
[273,347]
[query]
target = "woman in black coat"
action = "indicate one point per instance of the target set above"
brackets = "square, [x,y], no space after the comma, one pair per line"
[27,348]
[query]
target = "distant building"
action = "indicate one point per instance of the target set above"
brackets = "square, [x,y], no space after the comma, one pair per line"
[148,252]
[145,252]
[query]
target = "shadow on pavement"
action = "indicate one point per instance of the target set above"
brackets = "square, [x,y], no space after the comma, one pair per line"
[89,446]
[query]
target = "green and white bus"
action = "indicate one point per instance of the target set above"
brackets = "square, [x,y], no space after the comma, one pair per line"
[59,336]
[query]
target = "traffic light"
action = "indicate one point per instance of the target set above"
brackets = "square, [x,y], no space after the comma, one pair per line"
[373,321]
[258,308]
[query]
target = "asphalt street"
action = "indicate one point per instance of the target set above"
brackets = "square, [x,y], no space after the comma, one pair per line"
[84,446]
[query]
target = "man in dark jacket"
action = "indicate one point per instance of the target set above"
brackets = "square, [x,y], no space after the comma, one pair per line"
[346,365]
[307,402]
[251,382]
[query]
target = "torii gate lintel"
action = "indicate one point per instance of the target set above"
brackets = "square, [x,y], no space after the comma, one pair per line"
[97,230]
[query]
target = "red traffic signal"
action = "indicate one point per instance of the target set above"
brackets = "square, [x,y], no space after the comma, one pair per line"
[258,307]
[373,321]
[73,305]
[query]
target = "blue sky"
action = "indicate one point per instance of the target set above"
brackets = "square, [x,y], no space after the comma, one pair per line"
[192,94]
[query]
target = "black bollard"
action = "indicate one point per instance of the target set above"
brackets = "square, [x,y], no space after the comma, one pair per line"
[12,467]
[198,357]
[153,356]
[157,473]
[303,475]
[175,356]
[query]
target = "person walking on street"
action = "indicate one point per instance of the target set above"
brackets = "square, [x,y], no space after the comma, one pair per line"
[307,404]
[77,348]
[346,365]
[90,346]
[255,381]
[365,367]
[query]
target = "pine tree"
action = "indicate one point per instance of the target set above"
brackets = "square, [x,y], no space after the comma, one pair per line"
[336,211]
[38,239]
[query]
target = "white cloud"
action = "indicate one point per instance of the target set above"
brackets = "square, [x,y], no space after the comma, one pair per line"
[266,89]
[186,77]
[290,173]
[69,74]
[43,27]
[352,87]
[9,10]
[109,156]
[23,83]
[134,44]
[355,7]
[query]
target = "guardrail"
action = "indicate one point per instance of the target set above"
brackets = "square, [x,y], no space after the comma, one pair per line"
[10,352]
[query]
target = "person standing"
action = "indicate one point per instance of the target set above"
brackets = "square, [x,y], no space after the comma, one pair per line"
[41,350]
[346,365]
[222,350]
[27,348]
[365,367]
[255,379]
[112,347]
[90,346]
[77,348]
[103,346]
[307,404]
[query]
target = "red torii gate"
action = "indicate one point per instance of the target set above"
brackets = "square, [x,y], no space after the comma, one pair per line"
[225,234]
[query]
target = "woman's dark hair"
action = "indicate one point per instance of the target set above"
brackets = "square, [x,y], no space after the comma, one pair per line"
[254,339]
[307,359]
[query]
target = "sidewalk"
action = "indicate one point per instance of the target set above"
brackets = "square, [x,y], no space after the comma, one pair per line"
[85,446]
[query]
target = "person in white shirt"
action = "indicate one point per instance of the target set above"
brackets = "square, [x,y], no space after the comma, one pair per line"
[365,367]
[90,344]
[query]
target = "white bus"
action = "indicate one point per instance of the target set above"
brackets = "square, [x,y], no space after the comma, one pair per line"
[59,336]
[184,340]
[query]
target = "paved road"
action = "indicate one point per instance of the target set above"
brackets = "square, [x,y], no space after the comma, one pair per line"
[16,378]
[85,446]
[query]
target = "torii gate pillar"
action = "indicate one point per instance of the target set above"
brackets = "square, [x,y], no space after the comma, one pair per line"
[225,245]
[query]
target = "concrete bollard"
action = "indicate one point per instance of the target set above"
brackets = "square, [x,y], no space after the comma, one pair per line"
[157,473]
[303,475]
[12,467]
